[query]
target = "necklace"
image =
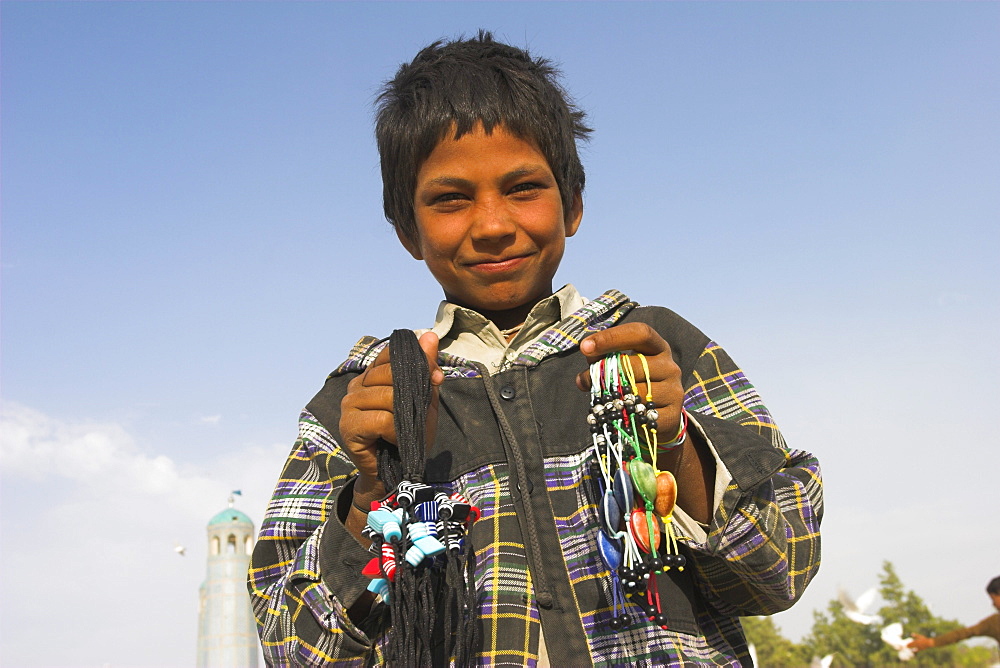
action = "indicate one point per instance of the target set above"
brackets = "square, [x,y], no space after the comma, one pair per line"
[637,540]
[424,558]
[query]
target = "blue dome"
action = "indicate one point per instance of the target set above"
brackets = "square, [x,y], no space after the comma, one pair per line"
[230,516]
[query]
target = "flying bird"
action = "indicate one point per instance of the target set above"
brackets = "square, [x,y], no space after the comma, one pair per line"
[821,663]
[179,549]
[893,636]
[855,610]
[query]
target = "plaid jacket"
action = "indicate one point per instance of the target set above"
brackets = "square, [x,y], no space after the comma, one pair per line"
[515,443]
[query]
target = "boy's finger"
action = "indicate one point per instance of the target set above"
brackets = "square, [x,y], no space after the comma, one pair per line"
[376,376]
[378,372]
[373,398]
[382,357]
[429,344]
[373,425]
[634,336]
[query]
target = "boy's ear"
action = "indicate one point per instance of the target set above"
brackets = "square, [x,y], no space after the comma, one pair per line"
[411,245]
[574,215]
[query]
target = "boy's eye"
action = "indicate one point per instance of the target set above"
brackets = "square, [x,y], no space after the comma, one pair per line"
[525,187]
[448,197]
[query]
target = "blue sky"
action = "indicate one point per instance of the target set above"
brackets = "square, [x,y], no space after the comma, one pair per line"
[192,238]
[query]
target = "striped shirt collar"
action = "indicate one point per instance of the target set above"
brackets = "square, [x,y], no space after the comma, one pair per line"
[592,316]
[467,334]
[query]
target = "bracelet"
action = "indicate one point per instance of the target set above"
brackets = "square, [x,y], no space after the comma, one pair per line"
[679,438]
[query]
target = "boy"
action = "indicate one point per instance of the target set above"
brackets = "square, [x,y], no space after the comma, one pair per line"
[482,182]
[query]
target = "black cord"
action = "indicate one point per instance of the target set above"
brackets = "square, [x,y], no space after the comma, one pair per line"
[417,592]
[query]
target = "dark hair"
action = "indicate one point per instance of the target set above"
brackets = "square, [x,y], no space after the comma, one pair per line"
[460,84]
[994,586]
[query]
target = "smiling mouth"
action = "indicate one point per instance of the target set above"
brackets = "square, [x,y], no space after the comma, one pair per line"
[496,266]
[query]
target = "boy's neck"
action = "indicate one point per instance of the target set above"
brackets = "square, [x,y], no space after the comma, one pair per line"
[507,319]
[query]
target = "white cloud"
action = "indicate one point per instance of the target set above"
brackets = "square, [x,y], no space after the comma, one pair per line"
[100,457]
[90,520]
[29,438]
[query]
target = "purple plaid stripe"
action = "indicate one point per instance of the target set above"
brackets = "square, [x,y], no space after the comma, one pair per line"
[733,573]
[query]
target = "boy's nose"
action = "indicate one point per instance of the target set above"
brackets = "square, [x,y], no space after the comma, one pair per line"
[492,221]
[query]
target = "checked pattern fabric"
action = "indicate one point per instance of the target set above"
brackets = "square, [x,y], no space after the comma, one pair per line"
[756,557]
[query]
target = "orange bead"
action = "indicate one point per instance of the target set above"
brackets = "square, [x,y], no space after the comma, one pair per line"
[666,493]
[640,526]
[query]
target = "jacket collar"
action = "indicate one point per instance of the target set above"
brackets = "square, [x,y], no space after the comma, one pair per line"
[594,316]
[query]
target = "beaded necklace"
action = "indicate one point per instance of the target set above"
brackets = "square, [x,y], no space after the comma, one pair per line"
[637,538]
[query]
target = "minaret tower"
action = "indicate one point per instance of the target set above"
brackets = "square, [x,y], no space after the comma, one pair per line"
[227,633]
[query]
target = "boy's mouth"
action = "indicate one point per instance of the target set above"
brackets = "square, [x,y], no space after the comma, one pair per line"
[493,266]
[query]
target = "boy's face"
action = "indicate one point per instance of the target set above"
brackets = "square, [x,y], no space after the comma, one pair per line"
[490,222]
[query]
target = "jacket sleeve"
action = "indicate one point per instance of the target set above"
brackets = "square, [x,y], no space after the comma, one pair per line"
[987,627]
[305,571]
[763,545]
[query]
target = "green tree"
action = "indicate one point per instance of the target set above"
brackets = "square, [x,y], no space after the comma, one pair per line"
[773,649]
[833,633]
[909,610]
[855,644]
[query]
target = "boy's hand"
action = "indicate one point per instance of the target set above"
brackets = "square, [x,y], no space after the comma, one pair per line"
[367,415]
[691,463]
[664,374]
[920,642]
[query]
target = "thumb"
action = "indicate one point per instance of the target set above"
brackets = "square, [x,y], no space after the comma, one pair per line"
[429,344]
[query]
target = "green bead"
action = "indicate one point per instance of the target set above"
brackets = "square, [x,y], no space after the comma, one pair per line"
[644,478]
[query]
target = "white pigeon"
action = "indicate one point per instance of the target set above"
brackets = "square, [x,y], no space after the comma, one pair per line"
[893,636]
[855,610]
[179,549]
[821,663]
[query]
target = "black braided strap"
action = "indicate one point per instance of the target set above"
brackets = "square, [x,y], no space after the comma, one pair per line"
[424,560]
